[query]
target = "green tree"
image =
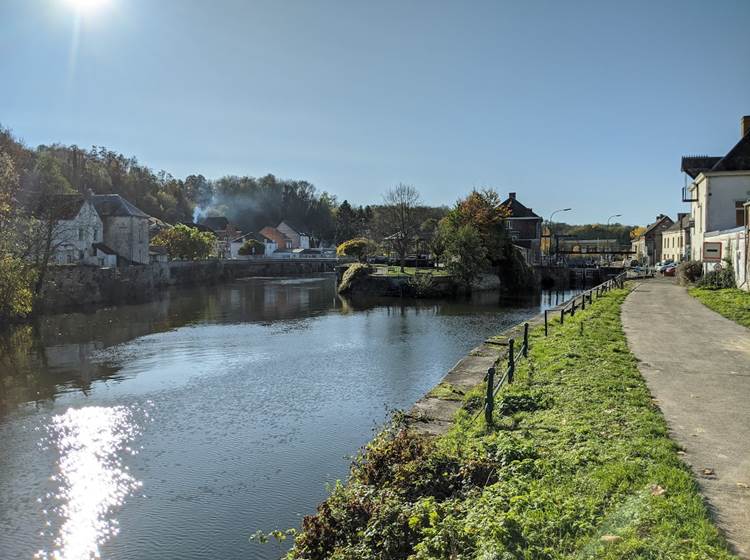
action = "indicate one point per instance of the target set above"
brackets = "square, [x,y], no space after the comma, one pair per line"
[466,255]
[187,243]
[252,247]
[346,221]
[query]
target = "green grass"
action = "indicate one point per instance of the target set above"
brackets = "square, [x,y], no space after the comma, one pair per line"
[409,271]
[577,465]
[733,304]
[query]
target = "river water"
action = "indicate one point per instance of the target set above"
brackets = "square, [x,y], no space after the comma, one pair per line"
[176,429]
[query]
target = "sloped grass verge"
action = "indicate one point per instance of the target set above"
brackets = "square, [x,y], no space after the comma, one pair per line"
[578,464]
[732,303]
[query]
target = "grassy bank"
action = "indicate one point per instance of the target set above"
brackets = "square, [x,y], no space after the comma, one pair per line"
[733,304]
[578,465]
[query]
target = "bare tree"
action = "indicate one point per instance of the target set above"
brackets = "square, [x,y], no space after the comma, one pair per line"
[400,216]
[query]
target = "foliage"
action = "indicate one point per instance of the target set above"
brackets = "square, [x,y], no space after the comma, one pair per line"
[16,289]
[483,211]
[583,469]
[359,248]
[352,222]
[733,304]
[353,273]
[689,272]
[718,279]
[466,255]
[186,243]
[636,232]
[421,285]
[252,247]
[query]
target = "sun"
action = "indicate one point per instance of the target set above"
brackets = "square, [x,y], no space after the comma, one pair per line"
[86,5]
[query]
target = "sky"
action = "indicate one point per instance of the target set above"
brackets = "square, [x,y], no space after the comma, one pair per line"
[588,104]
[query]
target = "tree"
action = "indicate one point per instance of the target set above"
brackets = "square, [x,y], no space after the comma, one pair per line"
[346,222]
[187,243]
[467,256]
[636,232]
[359,248]
[400,216]
[252,247]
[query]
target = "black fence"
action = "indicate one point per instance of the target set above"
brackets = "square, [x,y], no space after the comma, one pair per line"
[576,302]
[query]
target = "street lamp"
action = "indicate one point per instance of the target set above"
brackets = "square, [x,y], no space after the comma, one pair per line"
[608,220]
[549,225]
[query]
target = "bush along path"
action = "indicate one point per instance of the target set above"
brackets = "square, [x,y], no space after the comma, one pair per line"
[577,464]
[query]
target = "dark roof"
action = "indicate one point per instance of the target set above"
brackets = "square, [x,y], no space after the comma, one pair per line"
[657,223]
[216,223]
[115,205]
[252,235]
[64,206]
[299,230]
[158,250]
[518,210]
[737,159]
[104,249]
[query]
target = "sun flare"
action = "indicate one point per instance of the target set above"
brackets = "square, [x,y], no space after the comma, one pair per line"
[86,5]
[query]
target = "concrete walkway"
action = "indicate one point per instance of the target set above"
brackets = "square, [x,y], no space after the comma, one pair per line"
[697,366]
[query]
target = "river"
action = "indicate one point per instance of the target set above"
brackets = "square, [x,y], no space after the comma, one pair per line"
[176,429]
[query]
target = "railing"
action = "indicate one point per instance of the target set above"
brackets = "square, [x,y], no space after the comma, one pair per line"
[567,308]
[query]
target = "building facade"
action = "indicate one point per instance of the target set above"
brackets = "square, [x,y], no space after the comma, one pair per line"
[525,227]
[300,239]
[676,240]
[126,228]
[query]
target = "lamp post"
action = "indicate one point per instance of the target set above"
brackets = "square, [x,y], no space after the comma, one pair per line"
[549,225]
[608,220]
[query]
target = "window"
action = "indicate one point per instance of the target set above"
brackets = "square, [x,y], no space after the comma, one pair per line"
[80,234]
[739,213]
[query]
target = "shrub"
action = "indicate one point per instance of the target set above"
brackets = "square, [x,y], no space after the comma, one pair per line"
[719,279]
[689,272]
[252,247]
[352,274]
[359,248]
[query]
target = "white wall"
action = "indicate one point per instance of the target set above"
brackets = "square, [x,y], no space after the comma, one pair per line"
[733,247]
[715,208]
[72,239]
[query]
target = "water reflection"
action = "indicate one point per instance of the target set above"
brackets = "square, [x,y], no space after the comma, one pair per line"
[256,392]
[91,478]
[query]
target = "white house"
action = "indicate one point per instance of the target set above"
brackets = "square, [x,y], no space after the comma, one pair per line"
[269,245]
[77,231]
[719,189]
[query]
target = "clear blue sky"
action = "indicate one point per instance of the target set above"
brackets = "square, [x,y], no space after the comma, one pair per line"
[582,104]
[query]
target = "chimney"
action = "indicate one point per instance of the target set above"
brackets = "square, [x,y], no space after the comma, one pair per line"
[744,126]
[681,215]
[513,195]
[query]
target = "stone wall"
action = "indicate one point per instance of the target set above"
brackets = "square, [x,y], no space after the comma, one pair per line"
[75,287]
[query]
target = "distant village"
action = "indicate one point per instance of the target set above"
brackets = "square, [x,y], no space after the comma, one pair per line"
[106,230]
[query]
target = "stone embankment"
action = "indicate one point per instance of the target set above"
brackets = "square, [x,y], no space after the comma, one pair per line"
[75,287]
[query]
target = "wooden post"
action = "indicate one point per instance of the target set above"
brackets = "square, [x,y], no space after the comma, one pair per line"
[489,401]
[525,340]
[545,322]
[511,360]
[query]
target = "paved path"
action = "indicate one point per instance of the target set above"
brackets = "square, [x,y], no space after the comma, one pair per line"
[697,365]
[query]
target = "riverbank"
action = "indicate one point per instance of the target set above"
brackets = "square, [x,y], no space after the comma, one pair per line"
[578,465]
[73,287]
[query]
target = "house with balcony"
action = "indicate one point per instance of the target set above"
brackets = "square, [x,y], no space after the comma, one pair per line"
[718,188]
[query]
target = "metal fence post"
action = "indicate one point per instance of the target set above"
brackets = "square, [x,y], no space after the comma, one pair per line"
[545,322]
[525,340]
[562,316]
[489,401]
[573,308]
[583,303]
[511,360]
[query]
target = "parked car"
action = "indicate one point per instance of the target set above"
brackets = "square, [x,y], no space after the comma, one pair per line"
[662,266]
[670,270]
